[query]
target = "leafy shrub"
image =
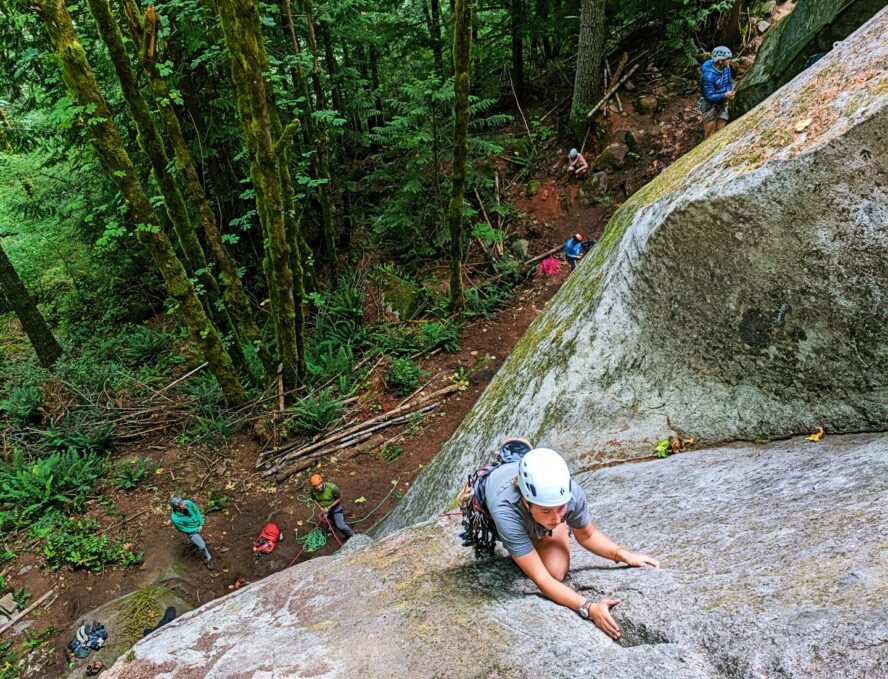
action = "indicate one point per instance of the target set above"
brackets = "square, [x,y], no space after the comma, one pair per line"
[203,392]
[440,334]
[391,452]
[142,345]
[327,360]
[403,376]
[78,544]
[211,430]
[397,341]
[129,474]
[216,501]
[84,431]
[21,596]
[22,403]
[317,411]
[61,480]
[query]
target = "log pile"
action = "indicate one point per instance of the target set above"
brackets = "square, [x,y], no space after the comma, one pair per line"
[284,461]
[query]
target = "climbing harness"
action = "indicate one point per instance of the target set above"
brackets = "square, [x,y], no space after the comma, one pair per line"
[479,529]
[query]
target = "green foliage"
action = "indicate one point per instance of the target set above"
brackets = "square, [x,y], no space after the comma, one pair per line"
[77,543]
[210,430]
[403,376]
[142,345]
[22,403]
[316,412]
[216,501]
[59,481]
[443,335]
[85,430]
[663,448]
[129,474]
[21,596]
[391,452]
[397,341]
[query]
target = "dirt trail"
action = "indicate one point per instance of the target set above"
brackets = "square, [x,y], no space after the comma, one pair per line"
[552,214]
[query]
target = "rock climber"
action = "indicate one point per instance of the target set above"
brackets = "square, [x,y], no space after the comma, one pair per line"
[573,250]
[328,498]
[186,517]
[716,89]
[535,505]
[576,164]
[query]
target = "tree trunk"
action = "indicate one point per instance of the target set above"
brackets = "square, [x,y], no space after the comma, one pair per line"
[174,202]
[332,68]
[33,323]
[322,144]
[81,80]
[729,24]
[240,23]
[433,20]
[588,87]
[517,16]
[378,119]
[234,292]
[462,51]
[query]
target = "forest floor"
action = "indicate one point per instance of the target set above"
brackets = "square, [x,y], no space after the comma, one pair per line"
[549,217]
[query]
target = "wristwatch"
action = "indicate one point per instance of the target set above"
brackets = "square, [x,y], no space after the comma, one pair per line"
[584,608]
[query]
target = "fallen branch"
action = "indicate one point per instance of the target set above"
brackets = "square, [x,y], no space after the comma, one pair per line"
[611,90]
[184,377]
[25,612]
[544,255]
[129,518]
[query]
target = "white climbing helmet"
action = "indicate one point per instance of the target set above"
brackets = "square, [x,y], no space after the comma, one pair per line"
[720,53]
[544,479]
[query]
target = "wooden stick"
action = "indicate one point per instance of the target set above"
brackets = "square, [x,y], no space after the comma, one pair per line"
[544,255]
[130,518]
[184,377]
[523,119]
[30,608]
[611,90]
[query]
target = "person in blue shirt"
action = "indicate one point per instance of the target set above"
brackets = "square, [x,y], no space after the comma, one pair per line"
[573,250]
[716,89]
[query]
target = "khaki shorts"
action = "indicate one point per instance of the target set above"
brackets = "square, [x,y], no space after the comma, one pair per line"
[712,112]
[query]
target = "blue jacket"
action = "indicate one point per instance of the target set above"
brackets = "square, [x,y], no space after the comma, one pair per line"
[714,83]
[572,248]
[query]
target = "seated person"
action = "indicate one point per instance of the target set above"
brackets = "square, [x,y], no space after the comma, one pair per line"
[577,165]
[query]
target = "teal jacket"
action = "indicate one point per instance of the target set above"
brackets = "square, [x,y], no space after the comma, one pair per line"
[188,521]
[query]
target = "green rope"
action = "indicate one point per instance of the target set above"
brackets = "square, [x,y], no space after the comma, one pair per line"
[372,511]
[313,540]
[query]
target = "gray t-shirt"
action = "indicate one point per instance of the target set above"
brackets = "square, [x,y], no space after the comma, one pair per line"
[513,521]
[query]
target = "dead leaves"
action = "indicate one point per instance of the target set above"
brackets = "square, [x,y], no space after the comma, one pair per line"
[816,436]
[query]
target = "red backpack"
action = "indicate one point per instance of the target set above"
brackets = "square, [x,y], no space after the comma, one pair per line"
[268,539]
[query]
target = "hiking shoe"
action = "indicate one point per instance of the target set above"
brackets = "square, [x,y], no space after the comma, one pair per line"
[209,564]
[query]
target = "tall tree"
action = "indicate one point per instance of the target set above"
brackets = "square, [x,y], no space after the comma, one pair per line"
[233,289]
[81,81]
[462,55]
[174,202]
[433,19]
[243,37]
[33,323]
[587,84]
[517,17]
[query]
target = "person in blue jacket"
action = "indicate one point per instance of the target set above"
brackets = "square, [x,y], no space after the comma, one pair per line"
[573,250]
[717,89]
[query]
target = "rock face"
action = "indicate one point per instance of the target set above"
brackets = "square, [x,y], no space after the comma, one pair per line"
[774,565]
[812,27]
[740,295]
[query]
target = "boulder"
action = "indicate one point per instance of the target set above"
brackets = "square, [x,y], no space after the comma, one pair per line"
[611,158]
[772,565]
[400,296]
[739,295]
[625,136]
[763,26]
[594,186]
[647,103]
[813,26]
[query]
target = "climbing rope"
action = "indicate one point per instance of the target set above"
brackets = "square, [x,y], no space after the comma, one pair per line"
[313,540]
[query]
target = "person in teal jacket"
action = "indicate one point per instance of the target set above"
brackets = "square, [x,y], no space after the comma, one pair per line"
[186,517]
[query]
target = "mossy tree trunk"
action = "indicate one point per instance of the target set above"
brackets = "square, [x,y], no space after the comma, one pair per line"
[81,80]
[33,323]
[517,18]
[240,24]
[462,53]
[587,83]
[233,289]
[322,145]
[173,200]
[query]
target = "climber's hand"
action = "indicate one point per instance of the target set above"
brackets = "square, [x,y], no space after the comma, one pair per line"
[633,559]
[600,614]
